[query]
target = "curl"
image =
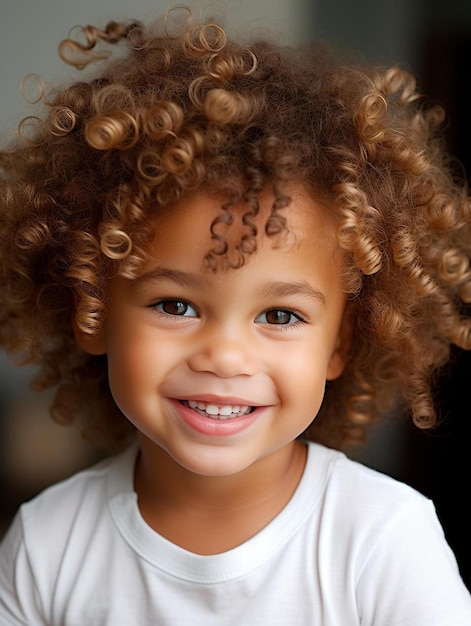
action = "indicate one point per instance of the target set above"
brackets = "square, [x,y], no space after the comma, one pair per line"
[224,107]
[114,243]
[33,88]
[149,167]
[352,236]
[62,121]
[372,110]
[162,120]
[79,55]
[113,98]
[119,131]
[178,156]
[454,266]
[32,130]
[32,237]
[203,39]
[175,23]
[397,81]
[224,66]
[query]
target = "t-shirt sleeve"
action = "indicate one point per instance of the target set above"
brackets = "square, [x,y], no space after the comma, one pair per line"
[411,577]
[18,597]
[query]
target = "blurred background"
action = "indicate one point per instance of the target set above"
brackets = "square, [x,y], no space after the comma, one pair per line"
[432,38]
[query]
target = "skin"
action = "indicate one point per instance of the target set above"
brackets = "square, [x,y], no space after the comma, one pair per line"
[266,336]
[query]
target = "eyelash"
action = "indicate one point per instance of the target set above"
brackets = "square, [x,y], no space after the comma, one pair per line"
[299,319]
[175,301]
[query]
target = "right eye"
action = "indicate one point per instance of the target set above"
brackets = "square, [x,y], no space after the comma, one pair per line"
[178,308]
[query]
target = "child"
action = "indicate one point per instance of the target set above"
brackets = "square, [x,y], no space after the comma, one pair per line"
[197,244]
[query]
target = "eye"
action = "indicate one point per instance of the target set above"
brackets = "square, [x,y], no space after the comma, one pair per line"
[178,308]
[282,317]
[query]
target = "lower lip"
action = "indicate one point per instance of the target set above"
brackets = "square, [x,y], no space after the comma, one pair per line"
[214,427]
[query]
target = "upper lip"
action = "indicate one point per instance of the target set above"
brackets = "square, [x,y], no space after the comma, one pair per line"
[220,400]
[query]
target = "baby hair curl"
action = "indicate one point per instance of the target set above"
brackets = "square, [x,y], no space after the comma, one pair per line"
[185,109]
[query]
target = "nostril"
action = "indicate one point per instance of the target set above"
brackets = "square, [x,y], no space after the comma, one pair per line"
[225,359]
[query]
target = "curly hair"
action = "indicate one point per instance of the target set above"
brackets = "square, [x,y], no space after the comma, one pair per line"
[183,108]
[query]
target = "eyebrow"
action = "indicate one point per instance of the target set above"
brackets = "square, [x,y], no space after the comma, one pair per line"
[281,289]
[276,289]
[185,279]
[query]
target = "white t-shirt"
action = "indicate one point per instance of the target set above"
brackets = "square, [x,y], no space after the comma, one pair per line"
[351,547]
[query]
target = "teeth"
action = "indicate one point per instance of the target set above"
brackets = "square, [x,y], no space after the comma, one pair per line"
[215,411]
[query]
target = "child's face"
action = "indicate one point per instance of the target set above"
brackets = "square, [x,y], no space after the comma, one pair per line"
[255,344]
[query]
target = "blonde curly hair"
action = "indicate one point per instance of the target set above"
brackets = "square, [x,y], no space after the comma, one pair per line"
[183,109]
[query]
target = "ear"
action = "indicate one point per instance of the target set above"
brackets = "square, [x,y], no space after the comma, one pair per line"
[339,356]
[91,344]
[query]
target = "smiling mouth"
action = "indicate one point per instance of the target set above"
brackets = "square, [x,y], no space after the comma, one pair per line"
[218,411]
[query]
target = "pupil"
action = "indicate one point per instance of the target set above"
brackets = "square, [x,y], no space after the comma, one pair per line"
[175,307]
[278,317]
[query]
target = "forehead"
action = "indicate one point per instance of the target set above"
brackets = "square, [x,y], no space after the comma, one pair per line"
[200,224]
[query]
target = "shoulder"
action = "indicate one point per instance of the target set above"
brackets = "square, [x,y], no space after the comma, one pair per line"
[52,534]
[76,504]
[367,504]
[385,537]
[349,479]
[111,473]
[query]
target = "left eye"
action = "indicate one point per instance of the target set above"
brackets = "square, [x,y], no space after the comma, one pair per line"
[278,316]
[178,308]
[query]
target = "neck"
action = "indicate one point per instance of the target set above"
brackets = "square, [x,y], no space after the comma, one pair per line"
[212,514]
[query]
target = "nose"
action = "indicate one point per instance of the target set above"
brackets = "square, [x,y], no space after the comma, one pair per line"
[225,353]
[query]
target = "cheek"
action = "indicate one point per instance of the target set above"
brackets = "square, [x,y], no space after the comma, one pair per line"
[138,363]
[129,349]
[131,371]
[302,377]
